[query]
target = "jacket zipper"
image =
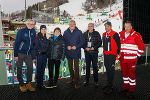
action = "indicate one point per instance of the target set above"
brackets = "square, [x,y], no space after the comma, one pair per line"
[108,46]
[30,43]
[52,52]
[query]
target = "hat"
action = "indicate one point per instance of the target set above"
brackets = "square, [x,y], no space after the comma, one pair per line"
[42,26]
[108,23]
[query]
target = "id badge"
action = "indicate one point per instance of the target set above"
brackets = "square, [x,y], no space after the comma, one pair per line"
[89,44]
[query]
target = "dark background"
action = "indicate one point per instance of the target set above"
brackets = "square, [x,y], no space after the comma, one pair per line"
[138,12]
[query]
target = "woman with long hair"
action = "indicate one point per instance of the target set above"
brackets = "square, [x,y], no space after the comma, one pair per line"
[40,48]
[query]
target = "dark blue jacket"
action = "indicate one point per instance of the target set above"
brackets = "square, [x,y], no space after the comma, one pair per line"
[39,46]
[23,41]
[73,39]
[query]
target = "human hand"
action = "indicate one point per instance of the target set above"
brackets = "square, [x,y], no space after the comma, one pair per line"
[69,47]
[92,48]
[87,49]
[16,59]
[74,48]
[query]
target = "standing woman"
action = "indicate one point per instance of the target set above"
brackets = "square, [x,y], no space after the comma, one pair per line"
[40,47]
[56,51]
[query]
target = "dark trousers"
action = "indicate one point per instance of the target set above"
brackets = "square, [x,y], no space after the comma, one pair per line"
[41,64]
[109,62]
[51,63]
[74,74]
[91,57]
[28,61]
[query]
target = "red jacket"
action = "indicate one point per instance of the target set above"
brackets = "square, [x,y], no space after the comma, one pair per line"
[131,47]
[109,44]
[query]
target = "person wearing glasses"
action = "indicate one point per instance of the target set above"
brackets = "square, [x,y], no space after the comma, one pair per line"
[22,53]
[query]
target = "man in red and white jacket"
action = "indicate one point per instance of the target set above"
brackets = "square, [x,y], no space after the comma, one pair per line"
[132,47]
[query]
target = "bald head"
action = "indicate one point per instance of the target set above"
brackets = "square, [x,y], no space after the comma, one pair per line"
[90,27]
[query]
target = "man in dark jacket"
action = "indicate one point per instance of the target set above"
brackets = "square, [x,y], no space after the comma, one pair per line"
[93,42]
[111,48]
[22,53]
[73,43]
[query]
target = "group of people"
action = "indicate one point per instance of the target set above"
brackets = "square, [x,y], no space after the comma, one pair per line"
[31,47]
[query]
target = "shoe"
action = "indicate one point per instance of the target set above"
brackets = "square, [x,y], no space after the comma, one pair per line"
[96,85]
[23,88]
[124,92]
[55,85]
[130,95]
[108,90]
[86,84]
[29,87]
[69,82]
[104,87]
[76,86]
[50,85]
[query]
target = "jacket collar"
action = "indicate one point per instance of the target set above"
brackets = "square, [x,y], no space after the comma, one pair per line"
[57,37]
[130,31]
[109,32]
[123,35]
[88,31]
[76,29]
[40,36]
[28,29]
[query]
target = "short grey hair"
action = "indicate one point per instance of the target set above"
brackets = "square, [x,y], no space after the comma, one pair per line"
[30,20]
[72,21]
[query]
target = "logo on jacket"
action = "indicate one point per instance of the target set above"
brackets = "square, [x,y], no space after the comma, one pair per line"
[25,35]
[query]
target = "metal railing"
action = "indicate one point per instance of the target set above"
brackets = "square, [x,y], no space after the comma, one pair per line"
[63,65]
[146,53]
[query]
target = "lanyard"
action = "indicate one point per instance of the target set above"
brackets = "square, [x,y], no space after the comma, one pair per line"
[89,36]
[106,35]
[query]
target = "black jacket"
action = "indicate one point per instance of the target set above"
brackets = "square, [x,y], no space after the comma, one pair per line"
[95,40]
[56,49]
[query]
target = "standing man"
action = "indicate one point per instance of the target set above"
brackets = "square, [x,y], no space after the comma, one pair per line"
[132,47]
[22,53]
[93,42]
[73,41]
[111,48]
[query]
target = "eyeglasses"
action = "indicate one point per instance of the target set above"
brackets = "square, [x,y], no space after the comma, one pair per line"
[31,24]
